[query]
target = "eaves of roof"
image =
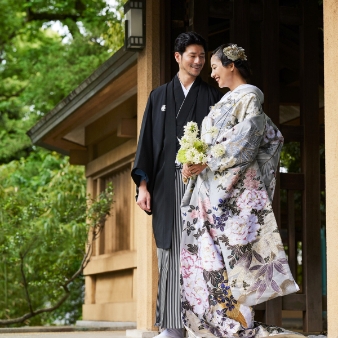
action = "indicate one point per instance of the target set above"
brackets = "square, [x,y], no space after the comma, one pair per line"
[106,73]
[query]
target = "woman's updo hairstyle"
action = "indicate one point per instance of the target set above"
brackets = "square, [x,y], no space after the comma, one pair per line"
[230,53]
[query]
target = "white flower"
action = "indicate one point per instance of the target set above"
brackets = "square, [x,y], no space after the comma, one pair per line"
[191,129]
[191,154]
[252,199]
[193,149]
[215,113]
[223,180]
[213,131]
[186,142]
[227,163]
[242,229]
[199,158]
[217,150]
[210,133]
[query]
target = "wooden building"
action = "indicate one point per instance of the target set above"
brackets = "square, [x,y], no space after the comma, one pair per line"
[97,126]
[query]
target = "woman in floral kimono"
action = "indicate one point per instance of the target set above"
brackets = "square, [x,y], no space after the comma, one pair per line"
[232,256]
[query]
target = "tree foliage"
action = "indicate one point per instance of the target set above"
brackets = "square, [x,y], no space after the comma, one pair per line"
[44,227]
[47,48]
[39,66]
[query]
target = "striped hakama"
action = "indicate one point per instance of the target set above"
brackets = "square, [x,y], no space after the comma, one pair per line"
[168,307]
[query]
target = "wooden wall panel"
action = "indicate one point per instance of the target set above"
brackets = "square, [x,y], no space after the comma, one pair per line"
[118,226]
[114,287]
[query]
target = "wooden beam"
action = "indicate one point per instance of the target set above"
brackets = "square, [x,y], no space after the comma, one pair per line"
[113,312]
[295,181]
[107,124]
[120,260]
[127,128]
[292,133]
[110,161]
[291,181]
[309,82]
[78,157]
[294,302]
[62,143]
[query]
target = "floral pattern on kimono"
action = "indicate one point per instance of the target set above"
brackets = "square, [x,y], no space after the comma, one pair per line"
[232,256]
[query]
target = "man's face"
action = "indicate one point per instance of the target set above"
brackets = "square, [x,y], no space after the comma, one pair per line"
[192,60]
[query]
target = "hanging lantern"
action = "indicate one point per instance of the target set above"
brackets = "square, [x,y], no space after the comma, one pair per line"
[134,25]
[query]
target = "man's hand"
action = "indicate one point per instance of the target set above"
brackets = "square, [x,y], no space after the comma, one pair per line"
[192,170]
[143,200]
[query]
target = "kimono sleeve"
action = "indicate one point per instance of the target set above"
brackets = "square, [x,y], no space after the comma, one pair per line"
[238,142]
[144,154]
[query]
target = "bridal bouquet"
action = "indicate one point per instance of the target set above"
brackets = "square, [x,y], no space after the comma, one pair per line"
[193,149]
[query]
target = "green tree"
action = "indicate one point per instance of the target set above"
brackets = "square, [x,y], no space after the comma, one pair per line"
[44,227]
[39,67]
[42,198]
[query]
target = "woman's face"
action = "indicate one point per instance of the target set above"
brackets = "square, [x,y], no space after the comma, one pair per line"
[223,75]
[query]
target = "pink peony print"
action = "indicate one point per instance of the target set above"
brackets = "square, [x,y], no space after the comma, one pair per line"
[204,206]
[250,173]
[252,199]
[233,181]
[194,285]
[213,233]
[242,229]
[210,258]
[250,183]
[188,261]
[194,214]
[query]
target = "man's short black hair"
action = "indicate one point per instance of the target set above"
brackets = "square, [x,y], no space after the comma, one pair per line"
[186,39]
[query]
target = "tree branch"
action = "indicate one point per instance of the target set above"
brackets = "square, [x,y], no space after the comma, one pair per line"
[34,313]
[47,16]
[98,220]
[16,94]
[25,284]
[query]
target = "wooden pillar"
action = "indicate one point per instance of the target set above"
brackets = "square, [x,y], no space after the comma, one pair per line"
[309,112]
[331,158]
[270,74]
[198,22]
[148,78]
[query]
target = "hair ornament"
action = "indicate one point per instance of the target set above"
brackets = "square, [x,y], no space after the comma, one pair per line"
[234,53]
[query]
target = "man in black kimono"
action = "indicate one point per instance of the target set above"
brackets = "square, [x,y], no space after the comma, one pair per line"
[160,188]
